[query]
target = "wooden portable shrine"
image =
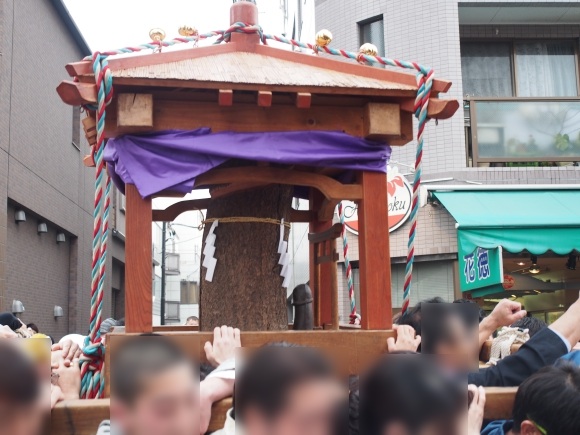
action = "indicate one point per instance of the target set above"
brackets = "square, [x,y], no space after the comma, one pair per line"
[244,86]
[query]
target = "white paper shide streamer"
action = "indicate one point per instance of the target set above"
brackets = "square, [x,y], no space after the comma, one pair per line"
[284,261]
[209,260]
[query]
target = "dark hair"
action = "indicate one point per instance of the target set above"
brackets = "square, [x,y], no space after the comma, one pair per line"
[551,399]
[139,358]
[204,371]
[411,390]
[532,324]
[413,316]
[436,324]
[192,318]
[482,313]
[33,327]
[271,372]
[19,381]
[10,320]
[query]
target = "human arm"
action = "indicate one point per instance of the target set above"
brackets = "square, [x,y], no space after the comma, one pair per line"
[6,332]
[568,325]
[541,350]
[505,313]
[476,410]
[212,390]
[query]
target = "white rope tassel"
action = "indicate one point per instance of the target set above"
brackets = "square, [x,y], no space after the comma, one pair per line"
[209,260]
[506,337]
[284,261]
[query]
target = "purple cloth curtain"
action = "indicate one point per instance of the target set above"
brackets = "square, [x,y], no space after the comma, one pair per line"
[171,160]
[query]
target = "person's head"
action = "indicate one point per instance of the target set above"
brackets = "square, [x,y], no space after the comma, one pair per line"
[21,407]
[547,402]
[287,391]
[410,395]
[532,324]
[450,331]
[33,328]
[481,312]
[192,321]
[154,388]
[413,316]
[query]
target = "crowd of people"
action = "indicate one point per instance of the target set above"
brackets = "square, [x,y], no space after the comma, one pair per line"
[426,384]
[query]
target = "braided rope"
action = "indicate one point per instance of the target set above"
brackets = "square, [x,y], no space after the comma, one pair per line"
[93,381]
[232,220]
[347,265]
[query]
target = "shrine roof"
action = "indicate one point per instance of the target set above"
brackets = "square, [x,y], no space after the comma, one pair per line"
[240,67]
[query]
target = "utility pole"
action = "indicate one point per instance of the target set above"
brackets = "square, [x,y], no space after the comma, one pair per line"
[163,255]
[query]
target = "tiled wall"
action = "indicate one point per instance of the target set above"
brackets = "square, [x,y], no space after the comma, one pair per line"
[40,169]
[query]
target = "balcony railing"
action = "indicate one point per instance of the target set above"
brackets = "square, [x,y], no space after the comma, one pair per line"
[522,131]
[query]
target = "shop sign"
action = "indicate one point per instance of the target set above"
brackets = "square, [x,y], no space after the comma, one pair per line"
[400,195]
[480,268]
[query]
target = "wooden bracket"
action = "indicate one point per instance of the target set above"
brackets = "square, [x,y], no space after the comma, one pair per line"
[90,128]
[264,98]
[382,121]
[226,97]
[303,100]
[135,111]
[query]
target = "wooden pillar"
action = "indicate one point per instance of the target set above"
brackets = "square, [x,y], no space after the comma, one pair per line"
[321,282]
[138,263]
[374,253]
[333,287]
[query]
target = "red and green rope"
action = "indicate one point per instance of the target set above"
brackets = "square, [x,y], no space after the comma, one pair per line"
[347,265]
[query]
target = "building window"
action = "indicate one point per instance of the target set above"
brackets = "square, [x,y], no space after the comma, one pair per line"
[519,69]
[373,31]
[76,127]
[486,69]
[546,69]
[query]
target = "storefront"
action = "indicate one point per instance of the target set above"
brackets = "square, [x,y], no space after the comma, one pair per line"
[520,242]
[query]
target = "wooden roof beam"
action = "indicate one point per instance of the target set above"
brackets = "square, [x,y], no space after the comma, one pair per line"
[438,109]
[77,94]
[172,212]
[330,188]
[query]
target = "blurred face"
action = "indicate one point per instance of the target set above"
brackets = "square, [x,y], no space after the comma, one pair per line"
[168,405]
[21,419]
[309,410]
[460,351]
[192,322]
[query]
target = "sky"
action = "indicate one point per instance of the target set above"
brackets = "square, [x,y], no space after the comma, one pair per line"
[111,24]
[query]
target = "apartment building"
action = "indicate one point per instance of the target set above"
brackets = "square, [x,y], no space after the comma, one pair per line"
[514,66]
[46,193]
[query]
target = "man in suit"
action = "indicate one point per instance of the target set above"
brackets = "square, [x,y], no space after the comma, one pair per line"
[543,349]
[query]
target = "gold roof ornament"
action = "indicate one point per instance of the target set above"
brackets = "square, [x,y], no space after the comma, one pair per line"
[323,38]
[157,35]
[366,49]
[188,31]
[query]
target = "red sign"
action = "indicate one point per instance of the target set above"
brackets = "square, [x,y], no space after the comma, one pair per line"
[508,281]
[399,196]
